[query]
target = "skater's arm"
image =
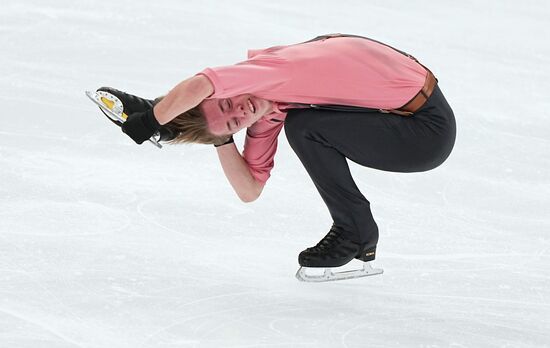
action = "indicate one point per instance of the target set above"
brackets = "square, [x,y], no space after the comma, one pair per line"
[185,96]
[236,170]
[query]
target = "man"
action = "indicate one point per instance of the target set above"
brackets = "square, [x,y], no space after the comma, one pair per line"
[338,97]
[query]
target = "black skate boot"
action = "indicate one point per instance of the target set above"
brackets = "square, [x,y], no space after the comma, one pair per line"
[336,250]
[132,103]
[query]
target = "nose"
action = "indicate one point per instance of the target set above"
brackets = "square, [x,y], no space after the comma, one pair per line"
[243,111]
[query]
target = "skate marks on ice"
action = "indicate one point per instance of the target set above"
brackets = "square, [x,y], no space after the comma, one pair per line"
[354,321]
[212,318]
[193,217]
[37,309]
[62,219]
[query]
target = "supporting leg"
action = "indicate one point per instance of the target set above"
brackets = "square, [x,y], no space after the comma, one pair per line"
[330,173]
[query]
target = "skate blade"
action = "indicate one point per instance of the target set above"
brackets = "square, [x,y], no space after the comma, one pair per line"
[329,275]
[113,108]
[110,104]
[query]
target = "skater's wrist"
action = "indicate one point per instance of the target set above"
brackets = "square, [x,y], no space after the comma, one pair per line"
[229,140]
[151,121]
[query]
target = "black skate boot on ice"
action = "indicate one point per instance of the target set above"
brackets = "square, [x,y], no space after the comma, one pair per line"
[336,250]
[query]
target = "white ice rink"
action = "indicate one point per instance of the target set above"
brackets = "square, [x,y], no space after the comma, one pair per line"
[106,244]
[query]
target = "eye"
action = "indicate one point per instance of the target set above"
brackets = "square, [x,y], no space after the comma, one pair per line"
[228,104]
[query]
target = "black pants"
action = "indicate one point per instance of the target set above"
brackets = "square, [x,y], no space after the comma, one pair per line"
[323,139]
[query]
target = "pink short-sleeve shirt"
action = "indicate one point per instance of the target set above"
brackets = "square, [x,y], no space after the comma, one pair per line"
[337,70]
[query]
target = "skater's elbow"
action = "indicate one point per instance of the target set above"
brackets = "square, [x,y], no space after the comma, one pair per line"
[248,199]
[252,193]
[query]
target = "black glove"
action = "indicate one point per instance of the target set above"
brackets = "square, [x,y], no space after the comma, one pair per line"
[140,126]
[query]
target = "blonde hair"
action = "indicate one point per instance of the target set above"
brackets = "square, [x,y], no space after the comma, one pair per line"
[191,127]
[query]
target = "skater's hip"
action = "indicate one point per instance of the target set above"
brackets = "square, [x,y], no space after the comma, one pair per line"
[437,117]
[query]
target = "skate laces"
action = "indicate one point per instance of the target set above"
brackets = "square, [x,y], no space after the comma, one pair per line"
[329,240]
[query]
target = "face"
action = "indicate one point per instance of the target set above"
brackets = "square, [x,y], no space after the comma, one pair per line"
[229,115]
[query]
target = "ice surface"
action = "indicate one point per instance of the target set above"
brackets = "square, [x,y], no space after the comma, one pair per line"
[107,244]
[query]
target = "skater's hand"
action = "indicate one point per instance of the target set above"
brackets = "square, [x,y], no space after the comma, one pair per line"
[140,126]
